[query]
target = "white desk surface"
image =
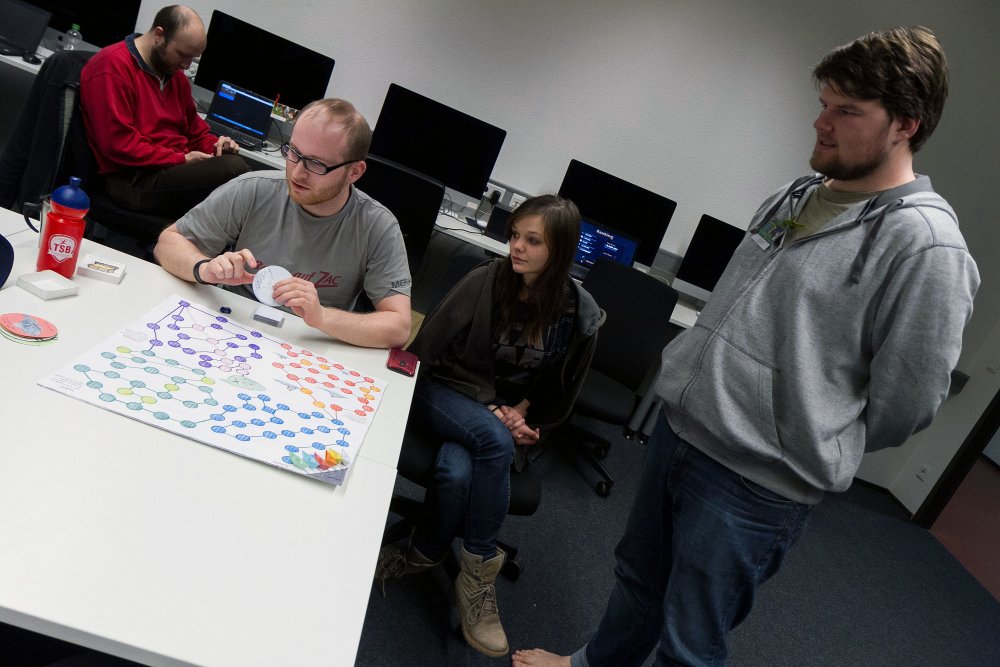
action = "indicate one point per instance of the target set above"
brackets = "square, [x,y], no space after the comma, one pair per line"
[465,232]
[18,62]
[12,223]
[271,159]
[146,545]
[683,315]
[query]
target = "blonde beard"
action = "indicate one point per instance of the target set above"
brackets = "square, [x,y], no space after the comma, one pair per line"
[315,196]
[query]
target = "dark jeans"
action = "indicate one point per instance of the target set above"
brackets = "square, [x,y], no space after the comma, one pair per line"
[471,489]
[698,542]
[173,191]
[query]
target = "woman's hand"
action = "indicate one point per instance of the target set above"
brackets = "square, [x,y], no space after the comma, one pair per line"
[512,417]
[525,435]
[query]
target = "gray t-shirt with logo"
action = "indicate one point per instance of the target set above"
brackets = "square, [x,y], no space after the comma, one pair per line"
[360,248]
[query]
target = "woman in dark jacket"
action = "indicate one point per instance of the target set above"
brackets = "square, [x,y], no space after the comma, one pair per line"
[502,357]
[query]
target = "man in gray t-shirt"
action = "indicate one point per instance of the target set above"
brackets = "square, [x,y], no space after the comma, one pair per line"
[334,239]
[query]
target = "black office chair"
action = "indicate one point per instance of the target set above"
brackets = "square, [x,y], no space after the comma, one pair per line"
[51,145]
[413,198]
[638,308]
[416,464]
[33,154]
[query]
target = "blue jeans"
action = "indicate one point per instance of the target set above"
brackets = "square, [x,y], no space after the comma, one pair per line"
[471,489]
[698,542]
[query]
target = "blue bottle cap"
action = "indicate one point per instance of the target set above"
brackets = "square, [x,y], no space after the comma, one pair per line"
[71,196]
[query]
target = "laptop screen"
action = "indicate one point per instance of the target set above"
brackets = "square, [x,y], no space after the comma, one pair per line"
[22,27]
[241,110]
[603,242]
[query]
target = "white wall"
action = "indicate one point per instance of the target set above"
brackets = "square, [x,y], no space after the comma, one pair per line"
[708,103]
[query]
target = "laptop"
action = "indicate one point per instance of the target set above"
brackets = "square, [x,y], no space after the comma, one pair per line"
[240,114]
[497,223]
[22,28]
[597,241]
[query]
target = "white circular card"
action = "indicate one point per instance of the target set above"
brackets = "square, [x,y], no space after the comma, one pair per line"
[263,283]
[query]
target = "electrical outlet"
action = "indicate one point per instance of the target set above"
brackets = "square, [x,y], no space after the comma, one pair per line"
[490,188]
[516,200]
[922,474]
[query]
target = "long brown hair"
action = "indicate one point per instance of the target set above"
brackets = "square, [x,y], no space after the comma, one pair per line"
[561,229]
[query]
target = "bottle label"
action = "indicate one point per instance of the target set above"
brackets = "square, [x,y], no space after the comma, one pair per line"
[62,247]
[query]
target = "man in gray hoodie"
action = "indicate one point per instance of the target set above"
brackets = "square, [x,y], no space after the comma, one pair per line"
[833,332]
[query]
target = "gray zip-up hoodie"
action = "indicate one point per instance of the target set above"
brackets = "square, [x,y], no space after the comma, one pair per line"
[808,354]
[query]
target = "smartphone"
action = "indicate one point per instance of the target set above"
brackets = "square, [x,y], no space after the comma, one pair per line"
[402,361]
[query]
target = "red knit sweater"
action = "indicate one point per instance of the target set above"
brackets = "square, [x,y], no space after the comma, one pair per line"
[132,122]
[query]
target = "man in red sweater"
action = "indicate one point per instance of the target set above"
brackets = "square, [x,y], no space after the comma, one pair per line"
[156,153]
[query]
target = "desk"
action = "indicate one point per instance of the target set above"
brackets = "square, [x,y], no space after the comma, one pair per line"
[12,223]
[684,315]
[18,62]
[143,544]
[272,160]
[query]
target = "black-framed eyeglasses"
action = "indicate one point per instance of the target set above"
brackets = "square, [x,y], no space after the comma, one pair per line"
[312,164]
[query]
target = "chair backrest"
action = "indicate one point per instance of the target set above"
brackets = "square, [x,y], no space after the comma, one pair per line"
[413,198]
[31,159]
[78,157]
[638,309]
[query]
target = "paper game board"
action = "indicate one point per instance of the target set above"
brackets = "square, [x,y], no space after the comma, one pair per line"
[197,373]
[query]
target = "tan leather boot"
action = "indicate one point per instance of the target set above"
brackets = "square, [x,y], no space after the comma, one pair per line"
[476,598]
[394,563]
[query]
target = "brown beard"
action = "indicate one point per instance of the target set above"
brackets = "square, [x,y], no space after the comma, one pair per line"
[158,62]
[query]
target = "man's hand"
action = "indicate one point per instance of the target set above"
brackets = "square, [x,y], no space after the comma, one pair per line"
[229,268]
[300,295]
[226,145]
[196,156]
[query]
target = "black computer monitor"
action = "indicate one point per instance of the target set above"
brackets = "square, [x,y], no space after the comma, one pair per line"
[707,256]
[265,63]
[413,198]
[101,23]
[434,139]
[22,27]
[618,204]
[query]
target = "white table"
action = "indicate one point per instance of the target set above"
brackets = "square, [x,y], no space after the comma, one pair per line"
[146,545]
[19,63]
[12,223]
[270,160]
[683,315]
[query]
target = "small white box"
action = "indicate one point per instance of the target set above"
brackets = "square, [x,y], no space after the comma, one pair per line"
[269,315]
[48,284]
[102,269]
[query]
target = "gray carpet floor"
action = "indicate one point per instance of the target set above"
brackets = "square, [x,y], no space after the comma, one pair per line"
[862,587]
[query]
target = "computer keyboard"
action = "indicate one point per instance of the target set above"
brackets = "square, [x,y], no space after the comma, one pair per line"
[241,138]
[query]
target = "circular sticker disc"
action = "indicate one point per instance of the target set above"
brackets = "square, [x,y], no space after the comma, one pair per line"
[263,283]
